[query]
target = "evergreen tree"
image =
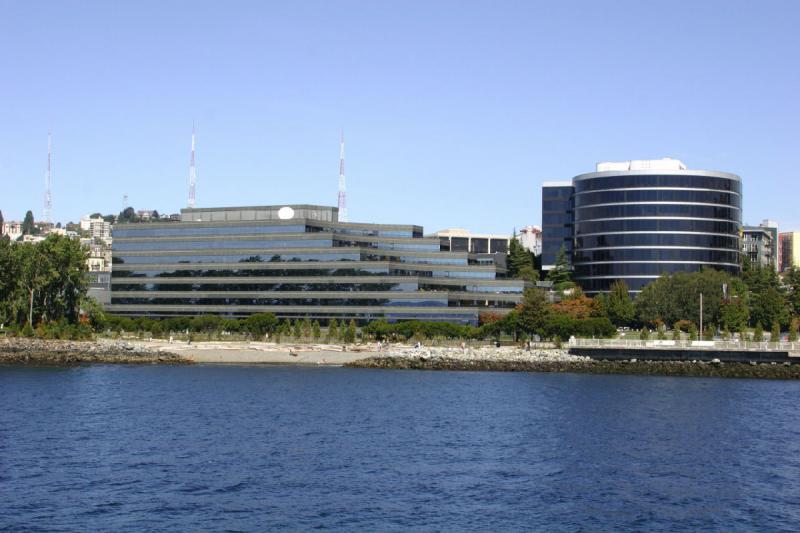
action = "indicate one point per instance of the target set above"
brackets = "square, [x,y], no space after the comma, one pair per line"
[676,334]
[792,281]
[297,331]
[1,222]
[758,333]
[619,305]
[560,274]
[306,327]
[793,330]
[315,331]
[350,332]
[533,312]
[28,227]
[692,332]
[518,258]
[775,332]
[333,330]
[662,332]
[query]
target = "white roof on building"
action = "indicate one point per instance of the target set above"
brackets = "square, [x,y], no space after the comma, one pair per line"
[666,163]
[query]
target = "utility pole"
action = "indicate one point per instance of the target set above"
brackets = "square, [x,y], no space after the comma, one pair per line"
[701,315]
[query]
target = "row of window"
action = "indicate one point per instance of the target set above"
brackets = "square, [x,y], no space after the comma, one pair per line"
[672,195]
[186,230]
[350,287]
[338,302]
[378,271]
[658,239]
[658,180]
[656,254]
[641,269]
[341,302]
[320,313]
[227,244]
[284,257]
[700,226]
[657,210]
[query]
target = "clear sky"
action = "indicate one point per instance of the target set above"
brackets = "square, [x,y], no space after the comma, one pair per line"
[454,112]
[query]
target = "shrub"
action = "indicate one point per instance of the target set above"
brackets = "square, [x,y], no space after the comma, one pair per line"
[27,330]
[758,333]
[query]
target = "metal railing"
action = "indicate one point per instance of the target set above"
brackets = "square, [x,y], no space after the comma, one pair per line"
[686,344]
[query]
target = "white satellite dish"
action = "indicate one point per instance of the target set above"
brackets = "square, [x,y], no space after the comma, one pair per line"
[285,213]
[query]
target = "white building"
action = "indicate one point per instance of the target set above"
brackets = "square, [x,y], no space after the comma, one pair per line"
[13,229]
[461,240]
[530,237]
[97,228]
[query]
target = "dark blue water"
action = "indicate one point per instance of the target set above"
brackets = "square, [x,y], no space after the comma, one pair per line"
[254,448]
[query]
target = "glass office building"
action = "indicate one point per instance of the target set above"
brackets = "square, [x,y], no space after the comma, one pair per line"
[637,220]
[557,221]
[299,261]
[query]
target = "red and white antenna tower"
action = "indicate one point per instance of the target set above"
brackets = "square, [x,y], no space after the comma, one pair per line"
[192,174]
[48,200]
[342,190]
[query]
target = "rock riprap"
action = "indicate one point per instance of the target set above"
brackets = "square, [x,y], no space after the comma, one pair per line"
[16,350]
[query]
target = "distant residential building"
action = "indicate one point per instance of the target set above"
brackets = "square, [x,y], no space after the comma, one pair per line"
[97,227]
[146,215]
[13,229]
[461,240]
[760,246]
[789,244]
[530,237]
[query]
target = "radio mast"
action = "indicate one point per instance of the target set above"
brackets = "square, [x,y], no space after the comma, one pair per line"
[48,200]
[342,190]
[192,174]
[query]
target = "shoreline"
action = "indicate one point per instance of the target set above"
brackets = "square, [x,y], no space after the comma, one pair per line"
[24,351]
[590,366]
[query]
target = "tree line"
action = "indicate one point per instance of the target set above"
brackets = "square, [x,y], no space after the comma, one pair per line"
[42,282]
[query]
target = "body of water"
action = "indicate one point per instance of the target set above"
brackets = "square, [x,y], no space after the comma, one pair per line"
[270,447]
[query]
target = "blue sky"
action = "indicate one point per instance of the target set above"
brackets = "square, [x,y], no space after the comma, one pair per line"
[454,112]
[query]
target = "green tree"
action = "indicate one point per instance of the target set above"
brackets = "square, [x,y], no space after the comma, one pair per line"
[306,327]
[793,330]
[528,273]
[259,324]
[620,308]
[297,329]
[560,273]
[662,332]
[644,334]
[735,314]
[758,332]
[350,332]
[333,330]
[315,330]
[28,227]
[791,280]
[692,332]
[533,312]
[775,332]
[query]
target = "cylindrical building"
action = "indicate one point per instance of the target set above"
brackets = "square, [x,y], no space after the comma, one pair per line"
[637,223]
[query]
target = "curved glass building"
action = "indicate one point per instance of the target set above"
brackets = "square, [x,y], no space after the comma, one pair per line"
[636,220]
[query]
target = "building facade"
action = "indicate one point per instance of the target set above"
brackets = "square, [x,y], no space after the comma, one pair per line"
[461,240]
[789,243]
[299,261]
[557,221]
[760,246]
[636,220]
[530,237]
